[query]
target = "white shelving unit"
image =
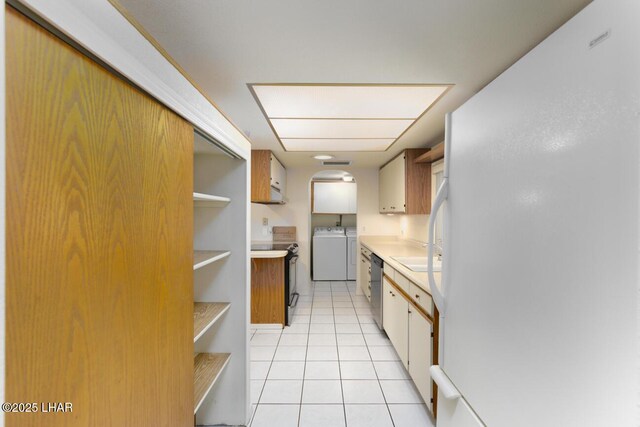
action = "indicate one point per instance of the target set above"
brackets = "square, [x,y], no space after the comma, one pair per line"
[221,286]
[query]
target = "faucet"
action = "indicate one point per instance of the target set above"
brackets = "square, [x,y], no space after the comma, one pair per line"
[438,249]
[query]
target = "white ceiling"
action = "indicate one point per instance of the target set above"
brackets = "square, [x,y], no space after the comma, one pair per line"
[224,45]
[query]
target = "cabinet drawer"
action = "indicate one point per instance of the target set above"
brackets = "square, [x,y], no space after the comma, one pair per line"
[390,272]
[366,252]
[403,282]
[422,298]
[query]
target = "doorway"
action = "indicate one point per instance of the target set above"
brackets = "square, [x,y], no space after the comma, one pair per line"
[333,224]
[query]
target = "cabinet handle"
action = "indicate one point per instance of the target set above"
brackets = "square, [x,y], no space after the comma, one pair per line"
[417,296]
[277,183]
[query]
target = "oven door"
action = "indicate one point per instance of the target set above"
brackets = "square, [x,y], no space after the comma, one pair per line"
[290,294]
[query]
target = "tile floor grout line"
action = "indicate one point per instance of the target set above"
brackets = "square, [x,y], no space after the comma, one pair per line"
[265,379]
[304,370]
[335,328]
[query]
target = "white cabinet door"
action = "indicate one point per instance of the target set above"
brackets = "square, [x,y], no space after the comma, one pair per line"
[397,184]
[391,183]
[420,357]
[334,197]
[352,198]
[278,175]
[383,195]
[365,276]
[395,320]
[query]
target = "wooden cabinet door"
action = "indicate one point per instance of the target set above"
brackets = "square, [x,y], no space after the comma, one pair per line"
[99,276]
[420,357]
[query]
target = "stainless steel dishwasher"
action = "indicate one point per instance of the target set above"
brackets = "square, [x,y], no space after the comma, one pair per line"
[376,288]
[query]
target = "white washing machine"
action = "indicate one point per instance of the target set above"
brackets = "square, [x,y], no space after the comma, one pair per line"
[352,253]
[329,253]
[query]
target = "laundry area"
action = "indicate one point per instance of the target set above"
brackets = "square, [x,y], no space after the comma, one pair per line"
[333,197]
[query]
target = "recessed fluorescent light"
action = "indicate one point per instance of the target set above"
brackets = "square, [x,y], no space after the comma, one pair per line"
[328,128]
[341,101]
[343,117]
[323,157]
[344,144]
[347,178]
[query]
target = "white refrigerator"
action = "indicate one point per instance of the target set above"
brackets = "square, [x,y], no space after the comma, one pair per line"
[539,298]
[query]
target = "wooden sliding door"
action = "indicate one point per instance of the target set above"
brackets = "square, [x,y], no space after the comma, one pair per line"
[99,297]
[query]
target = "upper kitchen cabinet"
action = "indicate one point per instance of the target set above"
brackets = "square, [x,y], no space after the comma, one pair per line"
[405,185]
[268,178]
[334,197]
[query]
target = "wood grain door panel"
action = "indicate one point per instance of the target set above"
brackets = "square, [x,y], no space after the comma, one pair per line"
[99,297]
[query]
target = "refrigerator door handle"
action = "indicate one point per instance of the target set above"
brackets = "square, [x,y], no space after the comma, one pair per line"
[445,386]
[436,293]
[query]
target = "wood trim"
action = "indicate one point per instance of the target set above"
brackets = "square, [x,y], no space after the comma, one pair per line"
[260,176]
[417,184]
[409,298]
[99,289]
[434,154]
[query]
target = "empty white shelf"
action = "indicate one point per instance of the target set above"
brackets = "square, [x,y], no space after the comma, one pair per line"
[210,201]
[202,258]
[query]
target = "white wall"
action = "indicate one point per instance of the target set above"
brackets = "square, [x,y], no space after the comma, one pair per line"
[414,227]
[297,213]
[323,220]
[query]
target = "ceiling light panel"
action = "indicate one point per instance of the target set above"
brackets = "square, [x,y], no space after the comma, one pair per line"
[337,144]
[328,128]
[355,102]
[335,117]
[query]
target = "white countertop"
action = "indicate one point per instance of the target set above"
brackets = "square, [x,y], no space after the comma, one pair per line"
[268,254]
[387,247]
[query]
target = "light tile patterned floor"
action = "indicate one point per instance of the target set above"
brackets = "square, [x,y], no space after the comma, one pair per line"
[332,367]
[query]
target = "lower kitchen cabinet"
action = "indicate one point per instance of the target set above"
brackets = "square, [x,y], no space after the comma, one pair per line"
[420,353]
[267,290]
[395,309]
[365,272]
[410,329]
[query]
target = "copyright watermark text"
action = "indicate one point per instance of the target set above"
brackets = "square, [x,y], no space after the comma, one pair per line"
[37,407]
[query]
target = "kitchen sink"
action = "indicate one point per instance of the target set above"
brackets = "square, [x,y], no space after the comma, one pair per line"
[416,263]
